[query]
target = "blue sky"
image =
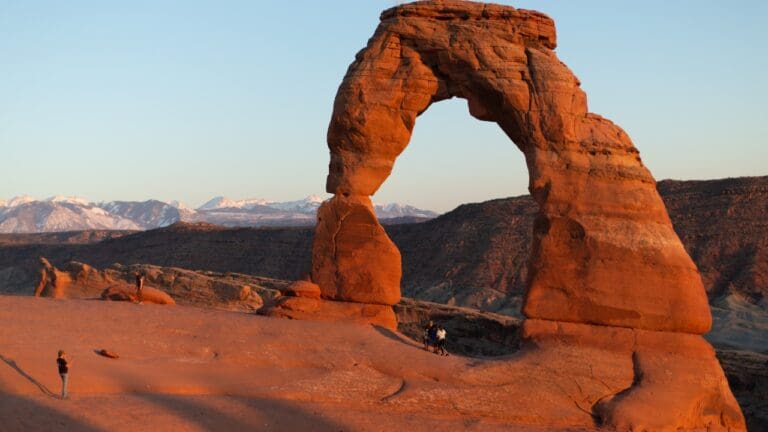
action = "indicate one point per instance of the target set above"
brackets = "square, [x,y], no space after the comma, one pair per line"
[191,99]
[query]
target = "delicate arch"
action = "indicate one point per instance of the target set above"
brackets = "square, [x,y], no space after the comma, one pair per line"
[600,218]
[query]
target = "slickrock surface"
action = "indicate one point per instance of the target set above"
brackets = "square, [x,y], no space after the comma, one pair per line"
[196,369]
[600,217]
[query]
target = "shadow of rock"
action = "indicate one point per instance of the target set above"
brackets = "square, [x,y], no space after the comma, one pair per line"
[19,414]
[255,414]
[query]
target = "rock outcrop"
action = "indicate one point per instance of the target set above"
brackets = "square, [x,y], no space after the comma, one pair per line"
[164,285]
[600,217]
[126,292]
[353,260]
[607,272]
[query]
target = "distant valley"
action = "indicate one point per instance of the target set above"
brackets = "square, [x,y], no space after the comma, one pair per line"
[473,256]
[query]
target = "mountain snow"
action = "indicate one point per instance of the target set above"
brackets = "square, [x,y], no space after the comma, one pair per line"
[24,214]
[221,202]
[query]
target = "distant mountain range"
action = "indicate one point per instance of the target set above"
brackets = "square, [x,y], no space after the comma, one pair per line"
[57,214]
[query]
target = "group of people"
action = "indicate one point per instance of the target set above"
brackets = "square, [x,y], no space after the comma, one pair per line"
[434,339]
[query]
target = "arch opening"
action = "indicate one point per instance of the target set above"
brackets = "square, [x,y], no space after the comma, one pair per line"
[482,265]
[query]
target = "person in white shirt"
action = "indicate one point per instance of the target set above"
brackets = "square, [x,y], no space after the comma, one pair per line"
[441,333]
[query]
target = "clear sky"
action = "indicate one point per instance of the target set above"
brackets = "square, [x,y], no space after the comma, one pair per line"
[191,99]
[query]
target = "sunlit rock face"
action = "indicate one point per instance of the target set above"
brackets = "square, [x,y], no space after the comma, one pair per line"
[600,216]
[607,276]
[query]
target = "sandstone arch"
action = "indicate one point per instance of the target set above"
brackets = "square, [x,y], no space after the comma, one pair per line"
[615,307]
[600,217]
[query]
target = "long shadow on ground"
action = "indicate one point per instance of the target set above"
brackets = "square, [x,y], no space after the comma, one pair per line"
[256,414]
[18,414]
[28,377]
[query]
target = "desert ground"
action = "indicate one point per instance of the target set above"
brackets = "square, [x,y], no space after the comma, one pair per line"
[192,369]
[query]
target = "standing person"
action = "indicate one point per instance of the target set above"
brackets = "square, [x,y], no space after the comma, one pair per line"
[432,337]
[427,331]
[139,286]
[441,333]
[63,364]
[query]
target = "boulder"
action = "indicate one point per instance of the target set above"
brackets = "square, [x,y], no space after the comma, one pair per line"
[353,259]
[312,309]
[302,288]
[125,292]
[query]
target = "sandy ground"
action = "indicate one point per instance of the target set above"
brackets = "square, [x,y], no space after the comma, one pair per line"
[190,369]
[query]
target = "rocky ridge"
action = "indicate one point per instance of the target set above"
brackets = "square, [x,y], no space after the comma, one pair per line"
[473,256]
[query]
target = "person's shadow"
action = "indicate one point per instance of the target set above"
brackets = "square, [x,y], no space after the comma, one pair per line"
[29,378]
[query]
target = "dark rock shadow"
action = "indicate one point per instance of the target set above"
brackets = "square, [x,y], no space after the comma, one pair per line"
[19,414]
[397,337]
[261,414]
[28,377]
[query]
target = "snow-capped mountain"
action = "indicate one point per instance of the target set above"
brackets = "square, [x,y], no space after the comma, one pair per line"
[148,214]
[221,202]
[309,204]
[395,210]
[26,215]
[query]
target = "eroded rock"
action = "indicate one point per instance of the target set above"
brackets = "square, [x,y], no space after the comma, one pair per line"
[676,380]
[125,292]
[305,308]
[609,282]
[353,260]
[302,288]
[600,217]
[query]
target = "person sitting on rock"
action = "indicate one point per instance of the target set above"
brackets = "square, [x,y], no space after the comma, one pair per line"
[440,346]
[61,361]
[139,286]
[425,338]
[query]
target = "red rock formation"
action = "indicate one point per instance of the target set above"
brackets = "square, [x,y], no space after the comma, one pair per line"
[675,382]
[127,292]
[224,291]
[306,308]
[607,271]
[600,216]
[302,288]
[352,257]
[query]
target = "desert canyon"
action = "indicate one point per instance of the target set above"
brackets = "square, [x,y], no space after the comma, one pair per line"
[601,307]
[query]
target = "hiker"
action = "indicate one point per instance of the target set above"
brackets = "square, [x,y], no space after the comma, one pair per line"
[139,286]
[440,348]
[431,333]
[63,364]
[425,338]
